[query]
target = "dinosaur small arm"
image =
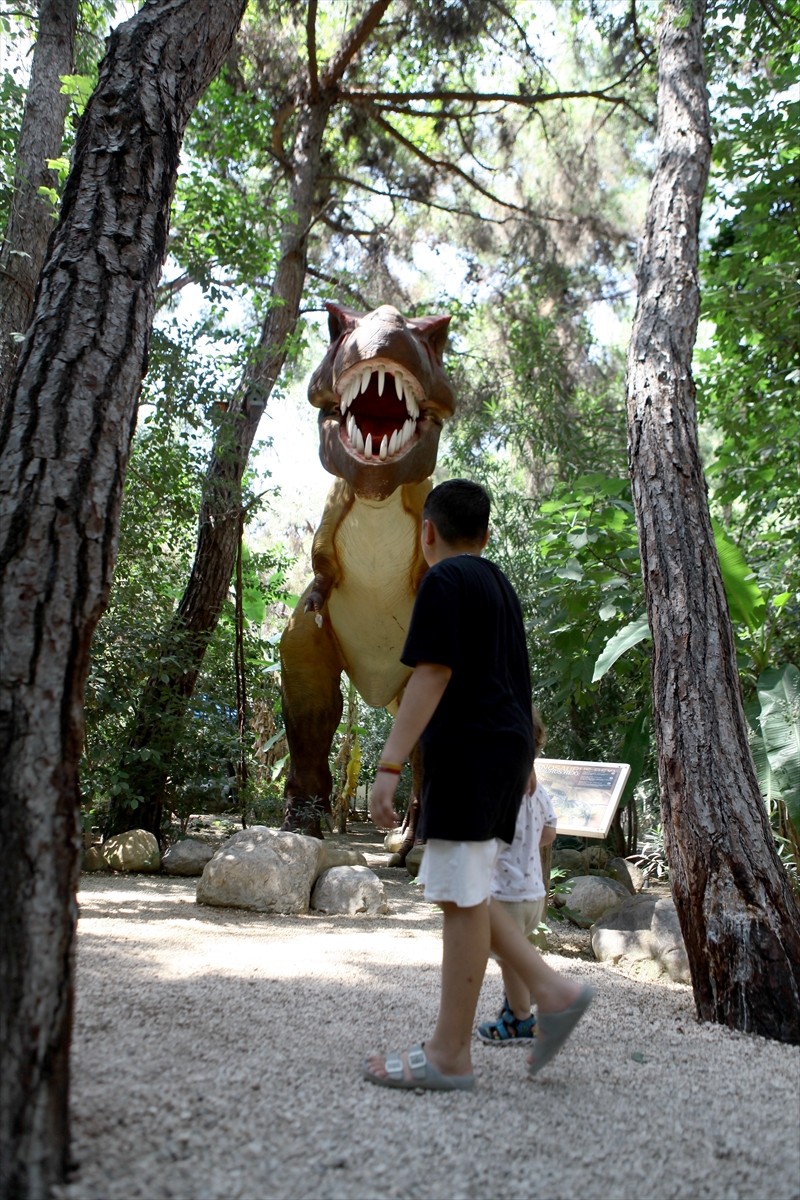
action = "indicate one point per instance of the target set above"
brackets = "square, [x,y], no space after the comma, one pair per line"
[383,397]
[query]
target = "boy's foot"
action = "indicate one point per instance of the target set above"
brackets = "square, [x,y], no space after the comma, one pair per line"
[508,1029]
[417,1072]
[555,1028]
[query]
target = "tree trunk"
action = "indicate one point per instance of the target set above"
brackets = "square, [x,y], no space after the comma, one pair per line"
[739,919]
[31,222]
[64,442]
[166,695]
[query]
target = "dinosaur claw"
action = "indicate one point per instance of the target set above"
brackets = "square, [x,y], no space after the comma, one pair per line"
[318,620]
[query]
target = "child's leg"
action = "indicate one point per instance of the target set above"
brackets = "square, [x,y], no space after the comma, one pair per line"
[518,994]
[551,991]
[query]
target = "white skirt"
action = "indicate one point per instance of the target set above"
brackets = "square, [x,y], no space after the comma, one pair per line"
[458,872]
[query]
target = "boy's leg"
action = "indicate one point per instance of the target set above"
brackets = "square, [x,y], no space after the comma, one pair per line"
[465,952]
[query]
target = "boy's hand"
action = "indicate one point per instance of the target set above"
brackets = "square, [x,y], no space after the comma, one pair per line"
[381,800]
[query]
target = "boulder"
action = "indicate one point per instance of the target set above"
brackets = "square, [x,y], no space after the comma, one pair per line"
[414,860]
[627,873]
[394,840]
[263,870]
[136,850]
[187,857]
[333,855]
[644,937]
[349,890]
[591,896]
[94,859]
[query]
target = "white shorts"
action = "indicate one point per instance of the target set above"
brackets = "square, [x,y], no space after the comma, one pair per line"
[459,872]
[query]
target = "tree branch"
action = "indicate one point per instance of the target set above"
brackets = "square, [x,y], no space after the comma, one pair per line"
[442,165]
[311,43]
[341,60]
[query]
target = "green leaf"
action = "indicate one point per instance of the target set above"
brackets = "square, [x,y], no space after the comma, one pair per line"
[745,598]
[779,696]
[630,635]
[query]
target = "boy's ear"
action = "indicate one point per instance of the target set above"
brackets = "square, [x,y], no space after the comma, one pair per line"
[485,541]
[428,532]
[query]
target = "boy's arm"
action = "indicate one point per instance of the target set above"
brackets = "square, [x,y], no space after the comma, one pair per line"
[423,692]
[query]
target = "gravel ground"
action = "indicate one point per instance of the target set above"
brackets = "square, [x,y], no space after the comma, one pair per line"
[217,1056]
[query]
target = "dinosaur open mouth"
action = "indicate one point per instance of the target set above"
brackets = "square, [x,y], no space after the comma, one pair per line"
[380,407]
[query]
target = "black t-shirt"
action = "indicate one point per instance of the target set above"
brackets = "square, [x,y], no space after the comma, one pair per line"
[478,745]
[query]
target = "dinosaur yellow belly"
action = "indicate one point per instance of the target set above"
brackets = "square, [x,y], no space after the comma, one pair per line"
[376,545]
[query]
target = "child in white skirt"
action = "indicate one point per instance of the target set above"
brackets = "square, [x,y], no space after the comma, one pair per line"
[517,885]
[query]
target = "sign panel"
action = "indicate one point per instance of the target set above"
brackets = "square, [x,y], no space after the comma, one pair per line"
[585,794]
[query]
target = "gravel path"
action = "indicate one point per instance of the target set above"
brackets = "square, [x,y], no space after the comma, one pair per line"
[217,1057]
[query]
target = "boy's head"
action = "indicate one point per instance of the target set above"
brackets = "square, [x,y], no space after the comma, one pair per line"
[459,509]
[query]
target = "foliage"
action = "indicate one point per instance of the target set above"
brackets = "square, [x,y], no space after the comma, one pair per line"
[157,534]
[775,742]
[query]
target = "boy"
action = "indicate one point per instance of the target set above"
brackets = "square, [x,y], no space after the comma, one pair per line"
[468,702]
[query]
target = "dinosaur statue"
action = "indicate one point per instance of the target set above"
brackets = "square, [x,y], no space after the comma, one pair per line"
[382,395]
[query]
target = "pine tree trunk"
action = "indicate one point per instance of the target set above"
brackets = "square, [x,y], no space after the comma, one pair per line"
[739,918]
[30,222]
[64,442]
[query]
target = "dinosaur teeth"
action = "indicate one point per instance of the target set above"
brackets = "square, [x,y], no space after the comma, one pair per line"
[393,441]
[381,379]
[384,450]
[368,446]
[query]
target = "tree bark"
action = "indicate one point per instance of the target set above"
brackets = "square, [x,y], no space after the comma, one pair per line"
[65,437]
[31,222]
[172,683]
[739,918]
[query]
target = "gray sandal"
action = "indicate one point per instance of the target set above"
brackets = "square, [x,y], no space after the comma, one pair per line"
[553,1029]
[424,1075]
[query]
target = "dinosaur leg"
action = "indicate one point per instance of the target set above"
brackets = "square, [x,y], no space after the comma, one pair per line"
[411,819]
[311,666]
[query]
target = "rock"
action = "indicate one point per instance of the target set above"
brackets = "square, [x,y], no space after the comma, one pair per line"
[94,859]
[414,859]
[642,934]
[591,896]
[349,890]
[333,855]
[263,870]
[136,850]
[570,861]
[187,857]
[627,873]
[393,840]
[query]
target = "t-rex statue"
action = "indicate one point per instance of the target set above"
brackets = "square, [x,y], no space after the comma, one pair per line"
[382,395]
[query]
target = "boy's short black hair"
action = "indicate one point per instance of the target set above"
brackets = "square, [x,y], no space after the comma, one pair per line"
[459,509]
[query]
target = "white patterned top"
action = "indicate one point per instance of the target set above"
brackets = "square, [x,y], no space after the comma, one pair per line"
[518,869]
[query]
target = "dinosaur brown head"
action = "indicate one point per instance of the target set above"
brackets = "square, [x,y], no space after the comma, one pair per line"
[383,396]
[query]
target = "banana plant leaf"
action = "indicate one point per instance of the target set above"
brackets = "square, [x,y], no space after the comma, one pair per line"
[779,696]
[630,635]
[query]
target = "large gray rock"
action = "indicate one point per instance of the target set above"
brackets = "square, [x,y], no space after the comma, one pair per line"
[263,870]
[349,890]
[333,855]
[591,896]
[394,840]
[94,859]
[136,850]
[187,857]
[643,936]
[627,873]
